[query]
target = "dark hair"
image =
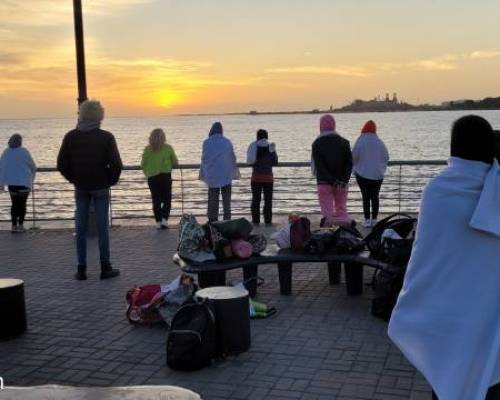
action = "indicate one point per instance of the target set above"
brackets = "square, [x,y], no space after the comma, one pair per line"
[472,138]
[262,134]
[497,145]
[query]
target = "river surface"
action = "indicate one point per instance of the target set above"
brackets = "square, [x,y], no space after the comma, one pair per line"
[408,136]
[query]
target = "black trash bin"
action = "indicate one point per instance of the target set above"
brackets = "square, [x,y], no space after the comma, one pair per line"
[12,308]
[232,314]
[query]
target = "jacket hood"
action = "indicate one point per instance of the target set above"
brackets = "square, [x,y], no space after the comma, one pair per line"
[16,140]
[216,129]
[369,127]
[327,124]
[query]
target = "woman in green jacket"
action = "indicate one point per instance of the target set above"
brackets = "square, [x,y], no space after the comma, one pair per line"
[158,159]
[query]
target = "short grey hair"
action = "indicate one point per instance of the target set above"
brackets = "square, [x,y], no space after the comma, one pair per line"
[91,111]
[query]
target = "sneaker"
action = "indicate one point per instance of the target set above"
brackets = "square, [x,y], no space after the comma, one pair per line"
[107,272]
[20,229]
[13,229]
[367,223]
[81,274]
[374,222]
[164,223]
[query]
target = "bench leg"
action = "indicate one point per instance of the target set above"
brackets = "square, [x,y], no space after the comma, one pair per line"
[250,278]
[213,278]
[334,269]
[285,277]
[354,279]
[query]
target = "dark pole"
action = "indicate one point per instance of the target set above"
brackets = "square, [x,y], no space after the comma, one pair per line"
[80,51]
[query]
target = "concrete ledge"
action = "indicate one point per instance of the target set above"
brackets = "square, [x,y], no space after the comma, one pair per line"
[56,392]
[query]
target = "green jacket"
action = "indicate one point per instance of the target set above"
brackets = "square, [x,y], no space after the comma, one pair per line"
[158,162]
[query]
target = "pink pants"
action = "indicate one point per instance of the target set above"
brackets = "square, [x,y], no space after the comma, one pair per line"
[333,204]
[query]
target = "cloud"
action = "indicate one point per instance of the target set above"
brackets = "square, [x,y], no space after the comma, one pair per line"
[352,71]
[485,53]
[56,12]
[443,63]
[146,81]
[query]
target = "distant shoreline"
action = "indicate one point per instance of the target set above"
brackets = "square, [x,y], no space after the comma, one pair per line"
[329,111]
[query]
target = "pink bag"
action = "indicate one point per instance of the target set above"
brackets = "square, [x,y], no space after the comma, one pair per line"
[241,248]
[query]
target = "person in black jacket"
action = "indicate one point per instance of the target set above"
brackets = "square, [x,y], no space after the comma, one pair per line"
[89,159]
[332,166]
[262,155]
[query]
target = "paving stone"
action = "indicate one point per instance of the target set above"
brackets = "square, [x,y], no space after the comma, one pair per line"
[320,345]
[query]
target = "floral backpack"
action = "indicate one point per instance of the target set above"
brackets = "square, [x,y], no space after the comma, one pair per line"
[192,243]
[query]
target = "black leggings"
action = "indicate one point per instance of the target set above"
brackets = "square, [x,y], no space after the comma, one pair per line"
[19,197]
[493,393]
[370,190]
[161,195]
[257,189]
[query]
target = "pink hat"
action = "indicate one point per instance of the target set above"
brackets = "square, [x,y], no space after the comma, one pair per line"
[327,124]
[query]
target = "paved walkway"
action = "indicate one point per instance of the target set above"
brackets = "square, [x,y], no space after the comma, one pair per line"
[321,344]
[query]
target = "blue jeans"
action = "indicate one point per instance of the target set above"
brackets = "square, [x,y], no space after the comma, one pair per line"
[101,205]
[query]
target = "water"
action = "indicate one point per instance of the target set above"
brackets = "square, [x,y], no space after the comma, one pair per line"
[408,136]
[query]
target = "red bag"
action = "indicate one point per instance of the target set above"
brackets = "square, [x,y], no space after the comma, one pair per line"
[143,303]
[300,233]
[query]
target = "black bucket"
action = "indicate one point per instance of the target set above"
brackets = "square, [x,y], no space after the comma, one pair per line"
[12,308]
[232,314]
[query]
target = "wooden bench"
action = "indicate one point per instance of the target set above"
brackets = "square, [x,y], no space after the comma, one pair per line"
[213,273]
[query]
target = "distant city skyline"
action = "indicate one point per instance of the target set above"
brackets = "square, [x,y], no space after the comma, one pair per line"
[158,57]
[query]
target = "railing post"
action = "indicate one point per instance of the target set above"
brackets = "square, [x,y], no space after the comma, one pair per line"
[399,187]
[33,208]
[182,192]
[110,207]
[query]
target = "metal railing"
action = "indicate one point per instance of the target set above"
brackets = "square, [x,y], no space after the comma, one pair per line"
[294,190]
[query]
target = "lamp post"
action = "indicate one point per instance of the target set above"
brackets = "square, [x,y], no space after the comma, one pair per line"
[82,87]
[80,51]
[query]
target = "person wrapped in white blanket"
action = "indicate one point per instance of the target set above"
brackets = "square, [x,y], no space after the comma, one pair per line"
[447,318]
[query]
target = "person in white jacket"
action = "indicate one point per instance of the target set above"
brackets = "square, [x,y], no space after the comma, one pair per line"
[370,158]
[447,317]
[17,172]
[218,168]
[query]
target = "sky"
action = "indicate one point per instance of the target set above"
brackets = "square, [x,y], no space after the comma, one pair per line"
[161,57]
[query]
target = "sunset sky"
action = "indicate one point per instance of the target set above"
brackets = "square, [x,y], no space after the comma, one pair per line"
[157,57]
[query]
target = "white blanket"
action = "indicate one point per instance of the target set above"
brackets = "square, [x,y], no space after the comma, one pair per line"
[447,319]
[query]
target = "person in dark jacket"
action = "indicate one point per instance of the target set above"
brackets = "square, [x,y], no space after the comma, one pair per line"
[332,166]
[89,159]
[262,155]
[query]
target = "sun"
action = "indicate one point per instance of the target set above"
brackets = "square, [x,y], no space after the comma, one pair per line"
[167,98]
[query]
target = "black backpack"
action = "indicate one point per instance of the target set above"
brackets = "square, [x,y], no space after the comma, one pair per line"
[392,251]
[191,340]
[387,282]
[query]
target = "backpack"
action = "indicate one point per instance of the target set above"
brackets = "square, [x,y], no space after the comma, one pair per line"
[392,251]
[300,233]
[192,244]
[348,240]
[340,240]
[143,303]
[191,340]
[387,284]
[234,229]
